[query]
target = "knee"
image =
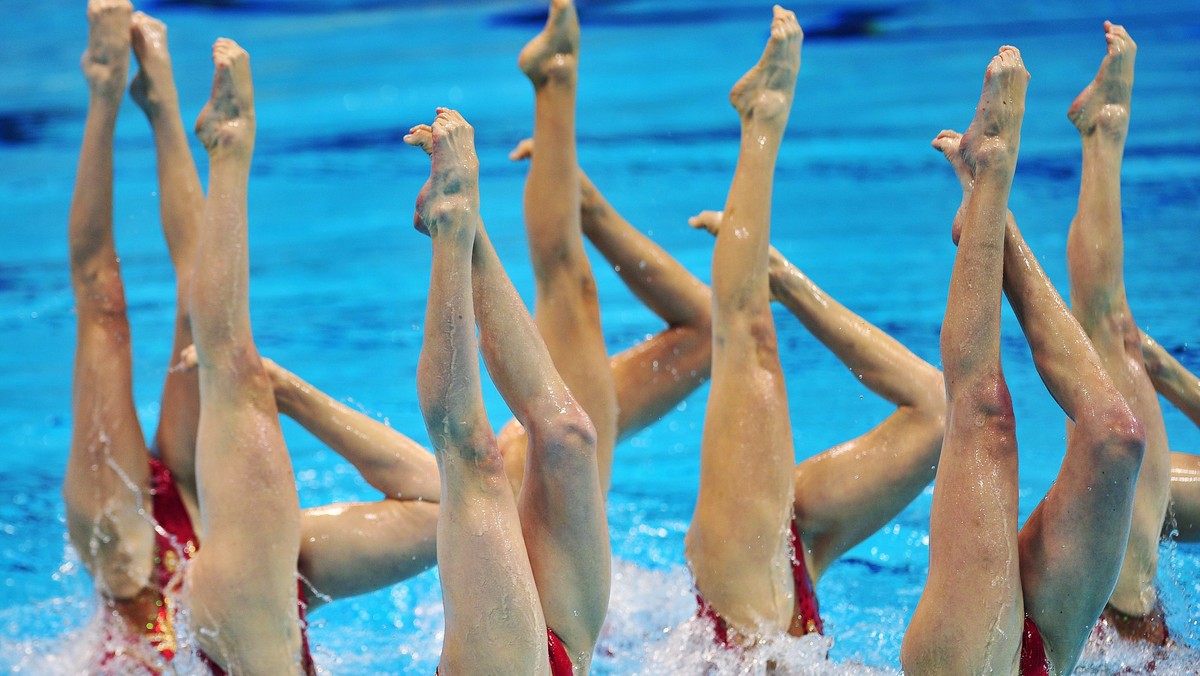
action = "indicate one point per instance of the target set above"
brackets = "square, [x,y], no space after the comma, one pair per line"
[98,289]
[568,436]
[748,323]
[1118,434]
[987,401]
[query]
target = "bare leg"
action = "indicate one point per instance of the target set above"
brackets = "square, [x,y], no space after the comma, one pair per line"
[849,491]
[566,309]
[107,479]
[242,582]
[1072,545]
[498,627]
[1182,389]
[970,616]
[737,542]
[1171,379]
[354,548]
[181,206]
[652,377]
[1095,260]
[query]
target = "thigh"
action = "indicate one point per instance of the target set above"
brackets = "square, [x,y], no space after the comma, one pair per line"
[853,489]
[496,626]
[737,544]
[106,487]
[970,616]
[1184,518]
[356,548]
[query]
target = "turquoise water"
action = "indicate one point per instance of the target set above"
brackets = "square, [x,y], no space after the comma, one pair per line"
[862,204]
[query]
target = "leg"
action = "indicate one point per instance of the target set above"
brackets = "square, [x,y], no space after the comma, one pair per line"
[737,542]
[651,378]
[1183,521]
[355,548]
[848,492]
[242,582]
[1095,261]
[1171,379]
[970,616]
[107,479]
[1182,388]
[181,206]
[565,307]
[348,549]
[497,628]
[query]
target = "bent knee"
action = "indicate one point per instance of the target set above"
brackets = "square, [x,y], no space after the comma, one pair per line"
[746,331]
[567,436]
[1117,433]
[986,401]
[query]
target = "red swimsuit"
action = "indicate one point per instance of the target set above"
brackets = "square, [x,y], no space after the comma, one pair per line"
[1033,651]
[560,661]
[807,610]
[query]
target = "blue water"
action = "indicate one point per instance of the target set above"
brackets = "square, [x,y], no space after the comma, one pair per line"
[862,204]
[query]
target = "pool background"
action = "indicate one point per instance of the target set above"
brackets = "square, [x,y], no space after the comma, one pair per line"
[861,203]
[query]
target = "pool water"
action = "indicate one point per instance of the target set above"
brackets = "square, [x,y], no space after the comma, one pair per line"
[862,204]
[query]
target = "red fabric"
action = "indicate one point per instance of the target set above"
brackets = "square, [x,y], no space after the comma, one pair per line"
[1033,651]
[560,661]
[806,597]
[806,610]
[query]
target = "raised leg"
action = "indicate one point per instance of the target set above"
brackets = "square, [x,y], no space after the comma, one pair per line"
[1095,261]
[737,542]
[970,616]
[565,306]
[849,491]
[108,475]
[181,207]
[242,582]
[498,627]
[652,377]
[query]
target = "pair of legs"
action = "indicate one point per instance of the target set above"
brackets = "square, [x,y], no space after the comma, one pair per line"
[1095,261]
[345,549]
[985,576]
[545,555]
[652,377]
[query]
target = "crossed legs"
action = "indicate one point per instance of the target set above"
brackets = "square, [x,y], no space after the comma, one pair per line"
[552,544]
